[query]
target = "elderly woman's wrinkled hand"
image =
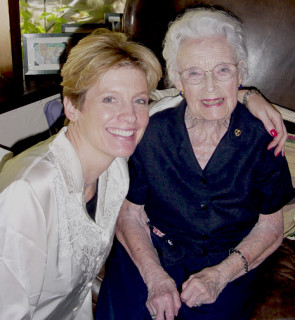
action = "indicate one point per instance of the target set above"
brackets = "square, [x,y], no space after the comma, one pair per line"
[203,287]
[281,136]
[163,297]
[272,120]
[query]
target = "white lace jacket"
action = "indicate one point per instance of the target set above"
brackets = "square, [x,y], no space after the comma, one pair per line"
[50,249]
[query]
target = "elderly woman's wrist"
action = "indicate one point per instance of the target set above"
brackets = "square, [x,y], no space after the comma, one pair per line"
[241,255]
[231,268]
[225,271]
[249,93]
[153,272]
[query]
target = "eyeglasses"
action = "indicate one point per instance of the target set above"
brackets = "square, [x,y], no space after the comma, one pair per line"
[221,72]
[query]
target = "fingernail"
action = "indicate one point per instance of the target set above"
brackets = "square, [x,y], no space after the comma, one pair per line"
[273,132]
[269,148]
[277,154]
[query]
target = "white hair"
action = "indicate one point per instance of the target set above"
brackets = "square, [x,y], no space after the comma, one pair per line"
[203,23]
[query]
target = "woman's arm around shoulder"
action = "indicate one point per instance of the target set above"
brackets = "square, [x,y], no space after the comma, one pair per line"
[271,118]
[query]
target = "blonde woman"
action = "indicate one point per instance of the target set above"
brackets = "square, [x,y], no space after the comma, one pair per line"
[60,199]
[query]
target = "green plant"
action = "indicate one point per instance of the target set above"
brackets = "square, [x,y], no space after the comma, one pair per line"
[90,11]
[54,19]
[31,24]
[28,24]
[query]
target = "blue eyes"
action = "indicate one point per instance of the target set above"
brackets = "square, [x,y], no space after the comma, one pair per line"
[136,101]
[108,100]
[141,101]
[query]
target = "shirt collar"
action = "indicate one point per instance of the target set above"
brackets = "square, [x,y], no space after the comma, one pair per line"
[69,162]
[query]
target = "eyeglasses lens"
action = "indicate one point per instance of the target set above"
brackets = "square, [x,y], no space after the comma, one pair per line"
[221,72]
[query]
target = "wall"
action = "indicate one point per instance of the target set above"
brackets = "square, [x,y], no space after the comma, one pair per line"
[5,48]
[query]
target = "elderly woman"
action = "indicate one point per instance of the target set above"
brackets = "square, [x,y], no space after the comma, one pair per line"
[60,199]
[204,203]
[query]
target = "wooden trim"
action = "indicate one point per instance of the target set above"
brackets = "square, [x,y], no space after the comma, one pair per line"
[16,42]
[5,58]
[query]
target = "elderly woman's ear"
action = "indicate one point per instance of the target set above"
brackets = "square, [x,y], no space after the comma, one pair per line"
[178,85]
[70,110]
[243,70]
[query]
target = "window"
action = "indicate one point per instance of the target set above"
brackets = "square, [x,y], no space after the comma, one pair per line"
[39,16]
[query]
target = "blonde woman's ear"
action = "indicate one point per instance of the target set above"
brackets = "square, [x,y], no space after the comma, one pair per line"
[70,111]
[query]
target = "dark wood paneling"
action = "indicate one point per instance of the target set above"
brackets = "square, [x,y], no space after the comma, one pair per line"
[269,28]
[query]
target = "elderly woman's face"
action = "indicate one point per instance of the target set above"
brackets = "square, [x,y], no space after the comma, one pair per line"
[208,98]
[115,112]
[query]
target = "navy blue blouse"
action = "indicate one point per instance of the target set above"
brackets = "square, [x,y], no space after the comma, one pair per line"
[207,211]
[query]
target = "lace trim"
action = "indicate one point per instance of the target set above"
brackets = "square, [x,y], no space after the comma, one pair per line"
[114,191]
[111,206]
[81,239]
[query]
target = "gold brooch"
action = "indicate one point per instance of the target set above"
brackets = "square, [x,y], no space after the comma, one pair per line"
[238,132]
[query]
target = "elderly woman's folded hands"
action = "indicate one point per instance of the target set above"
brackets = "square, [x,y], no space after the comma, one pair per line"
[201,288]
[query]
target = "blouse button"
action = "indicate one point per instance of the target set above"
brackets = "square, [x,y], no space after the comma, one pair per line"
[204,207]
[203,180]
[204,252]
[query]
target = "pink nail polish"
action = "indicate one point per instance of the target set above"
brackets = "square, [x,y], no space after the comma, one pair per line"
[277,154]
[273,132]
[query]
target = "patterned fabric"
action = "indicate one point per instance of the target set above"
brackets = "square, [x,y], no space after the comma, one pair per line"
[289,210]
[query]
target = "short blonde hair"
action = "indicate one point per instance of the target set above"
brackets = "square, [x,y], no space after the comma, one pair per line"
[97,53]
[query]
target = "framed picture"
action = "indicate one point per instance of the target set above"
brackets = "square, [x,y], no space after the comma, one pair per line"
[44,53]
[84,27]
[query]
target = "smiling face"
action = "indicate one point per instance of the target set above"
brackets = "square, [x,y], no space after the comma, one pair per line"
[211,99]
[114,115]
